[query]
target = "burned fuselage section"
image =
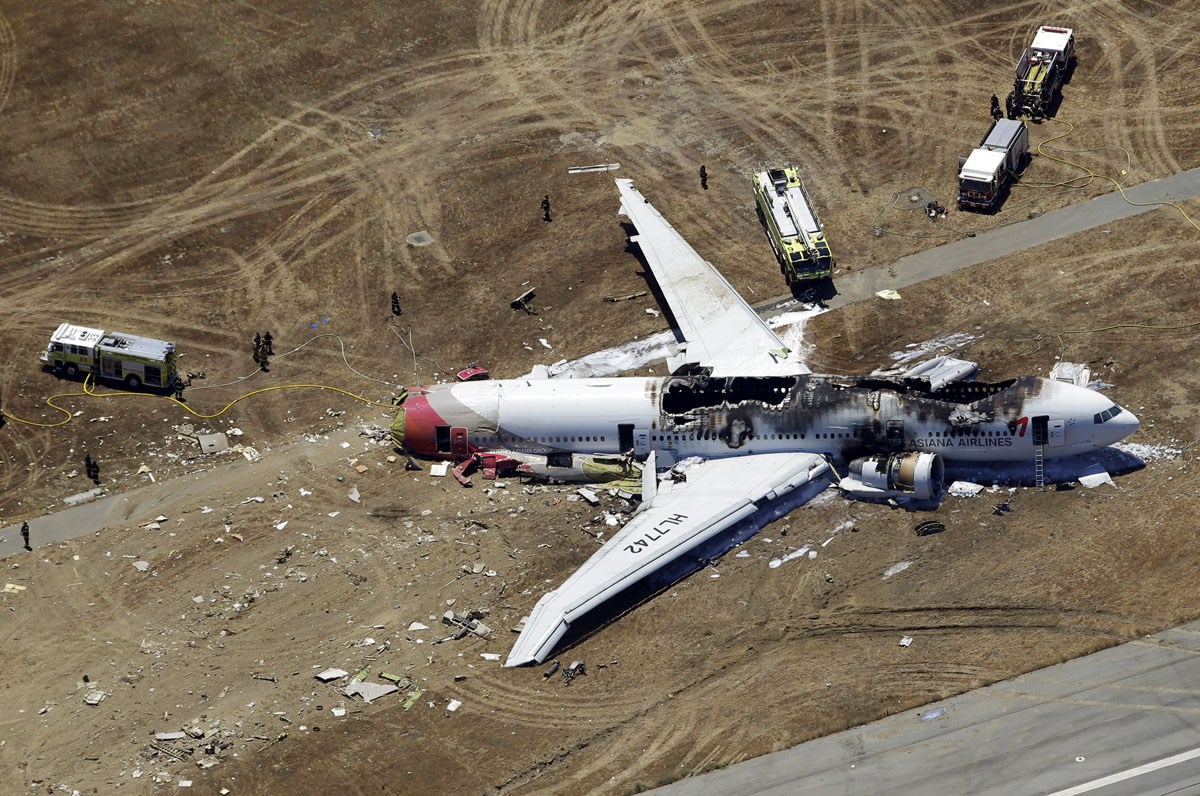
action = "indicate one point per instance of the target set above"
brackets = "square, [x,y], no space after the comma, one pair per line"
[843,416]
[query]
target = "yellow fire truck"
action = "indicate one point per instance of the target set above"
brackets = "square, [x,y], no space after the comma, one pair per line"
[792,226]
[117,356]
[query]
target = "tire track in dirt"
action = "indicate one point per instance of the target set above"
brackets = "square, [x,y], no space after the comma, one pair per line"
[556,707]
[8,59]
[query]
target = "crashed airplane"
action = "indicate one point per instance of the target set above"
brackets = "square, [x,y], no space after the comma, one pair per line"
[748,431]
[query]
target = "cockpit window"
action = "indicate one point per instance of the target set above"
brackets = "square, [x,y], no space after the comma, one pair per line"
[1106,415]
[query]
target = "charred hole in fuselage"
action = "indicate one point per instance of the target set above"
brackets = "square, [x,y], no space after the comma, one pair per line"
[685,394]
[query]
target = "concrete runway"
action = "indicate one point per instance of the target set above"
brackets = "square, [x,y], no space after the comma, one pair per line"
[1121,722]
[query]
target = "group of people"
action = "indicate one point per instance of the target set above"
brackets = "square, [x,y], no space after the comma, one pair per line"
[263,349]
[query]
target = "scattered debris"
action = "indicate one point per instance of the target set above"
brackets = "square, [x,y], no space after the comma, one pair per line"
[490,656]
[354,494]
[553,668]
[169,736]
[415,626]
[597,167]
[625,297]
[576,669]
[930,715]
[331,674]
[890,295]
[213,443]
[964,489]
[369,691]
[439,470]
[896,569]
[588,495]
[12,588]
[929,528]
[454,705]
[465,624]
[95,697]
[525,301]
[141,566]
[906,641]
[413,696]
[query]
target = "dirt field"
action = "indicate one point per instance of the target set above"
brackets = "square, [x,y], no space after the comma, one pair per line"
[200,172]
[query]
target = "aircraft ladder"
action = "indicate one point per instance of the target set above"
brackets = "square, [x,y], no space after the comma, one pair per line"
[1039,466]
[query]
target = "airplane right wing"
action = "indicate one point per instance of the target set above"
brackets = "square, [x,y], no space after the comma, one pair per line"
[679,519]
[719,328]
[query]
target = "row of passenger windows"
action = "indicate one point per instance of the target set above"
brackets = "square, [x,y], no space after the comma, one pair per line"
[706,436]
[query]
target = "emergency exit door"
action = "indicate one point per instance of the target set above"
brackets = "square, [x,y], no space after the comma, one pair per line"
[458,441]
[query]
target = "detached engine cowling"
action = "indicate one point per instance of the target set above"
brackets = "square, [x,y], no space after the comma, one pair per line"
[896,475]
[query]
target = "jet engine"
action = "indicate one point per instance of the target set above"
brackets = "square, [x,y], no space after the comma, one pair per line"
[897,475]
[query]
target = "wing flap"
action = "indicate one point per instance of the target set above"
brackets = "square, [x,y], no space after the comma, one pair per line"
[682,516]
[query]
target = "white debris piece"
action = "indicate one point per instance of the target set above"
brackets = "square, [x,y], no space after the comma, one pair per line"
[490,656]
[279,526]
[256,499]
[1094,479]
[331,674]
[964,489]
[439,470]
[338,712]
[890,295]
[742,554]
[906,641]
[95,697]
[454,705]
[354,494]
[807,550]
[415,626]
[588,495]
[369,691]
[141,566]
[1075,373]
[545,343]
[896,569]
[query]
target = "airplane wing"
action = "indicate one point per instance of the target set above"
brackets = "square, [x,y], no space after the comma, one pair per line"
[680,518]
[719,328]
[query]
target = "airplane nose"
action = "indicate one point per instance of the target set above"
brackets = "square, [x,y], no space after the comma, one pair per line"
[1125,424]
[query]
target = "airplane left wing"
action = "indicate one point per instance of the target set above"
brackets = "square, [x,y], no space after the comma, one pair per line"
[720,330]
[679,519]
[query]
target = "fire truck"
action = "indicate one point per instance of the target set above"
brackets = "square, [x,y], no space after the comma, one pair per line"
[792,226]
[1041,73]
[116,356]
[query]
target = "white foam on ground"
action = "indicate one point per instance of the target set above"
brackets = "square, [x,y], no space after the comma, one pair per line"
[1149,453]
[938,345]
[896,569]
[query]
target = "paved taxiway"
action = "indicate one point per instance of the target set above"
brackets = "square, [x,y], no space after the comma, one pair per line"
[1119,722]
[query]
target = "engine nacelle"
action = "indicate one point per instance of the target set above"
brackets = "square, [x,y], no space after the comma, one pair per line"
[897,475]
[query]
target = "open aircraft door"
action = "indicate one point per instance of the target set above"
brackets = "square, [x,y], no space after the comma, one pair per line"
[635,439]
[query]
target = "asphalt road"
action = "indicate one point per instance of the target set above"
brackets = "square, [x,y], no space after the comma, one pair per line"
[1121,722]
[1015,237]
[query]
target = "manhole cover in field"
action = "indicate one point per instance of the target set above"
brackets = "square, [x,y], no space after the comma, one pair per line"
[915,198]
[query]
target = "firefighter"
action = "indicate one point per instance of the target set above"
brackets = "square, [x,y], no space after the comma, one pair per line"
[177,385]
[703,177]
[1008,106]
[996,107]
[546,207]
[25,534]
[395,303]
[267,344]
[87,464]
